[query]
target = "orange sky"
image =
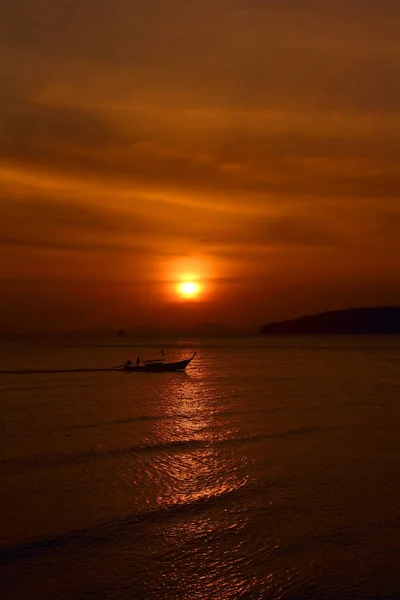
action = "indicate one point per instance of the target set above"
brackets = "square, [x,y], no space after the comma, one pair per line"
[253,143]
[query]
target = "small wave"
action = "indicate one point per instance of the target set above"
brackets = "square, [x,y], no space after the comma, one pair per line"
[305,431]
[173,445]
[115,529]
[169,417]
[337,538]
[83,457]
[118,422]
[280,434]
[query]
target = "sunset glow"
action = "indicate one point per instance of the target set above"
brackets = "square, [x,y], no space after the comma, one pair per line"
[189,289]
[132,164]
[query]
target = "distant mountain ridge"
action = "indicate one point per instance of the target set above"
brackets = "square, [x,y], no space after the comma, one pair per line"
[383,320]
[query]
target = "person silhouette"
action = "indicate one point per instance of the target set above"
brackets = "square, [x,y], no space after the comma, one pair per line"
[138,361]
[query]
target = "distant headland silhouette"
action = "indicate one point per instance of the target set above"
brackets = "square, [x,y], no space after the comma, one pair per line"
[384,320]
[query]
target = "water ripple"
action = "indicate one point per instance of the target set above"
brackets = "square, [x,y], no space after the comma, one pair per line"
[181,445]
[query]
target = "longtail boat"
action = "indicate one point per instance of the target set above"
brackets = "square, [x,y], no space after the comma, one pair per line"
[158,365]
[151,366]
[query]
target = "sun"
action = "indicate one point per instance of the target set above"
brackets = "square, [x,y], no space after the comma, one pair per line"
[189,289]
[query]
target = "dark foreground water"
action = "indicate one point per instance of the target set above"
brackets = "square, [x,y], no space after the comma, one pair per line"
[269,470]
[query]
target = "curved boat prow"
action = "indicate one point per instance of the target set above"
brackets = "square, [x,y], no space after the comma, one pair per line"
[189,360]
[180,365]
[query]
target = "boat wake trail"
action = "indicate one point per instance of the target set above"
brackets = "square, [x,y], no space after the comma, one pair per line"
[36,371]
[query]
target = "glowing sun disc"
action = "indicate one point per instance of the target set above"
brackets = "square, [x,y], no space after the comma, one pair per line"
[189,289]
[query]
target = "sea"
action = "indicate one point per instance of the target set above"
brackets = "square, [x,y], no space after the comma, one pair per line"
[270,469]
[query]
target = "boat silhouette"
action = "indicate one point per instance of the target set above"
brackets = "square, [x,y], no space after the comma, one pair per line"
[151,366]
[157,365]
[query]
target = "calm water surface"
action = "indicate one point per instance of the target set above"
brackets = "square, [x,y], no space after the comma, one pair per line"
[270,469]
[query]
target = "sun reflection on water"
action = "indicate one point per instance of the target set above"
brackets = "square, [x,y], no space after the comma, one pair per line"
[199,472]
[204,483]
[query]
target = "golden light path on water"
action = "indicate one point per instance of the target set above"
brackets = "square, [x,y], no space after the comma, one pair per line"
[204,472]
[203,480]
[203,483]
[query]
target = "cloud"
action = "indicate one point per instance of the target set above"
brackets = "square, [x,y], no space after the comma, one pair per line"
[72,247]
[272,153]
[225,54]
[127,93]
[38,134]
[73,215]
[69,226]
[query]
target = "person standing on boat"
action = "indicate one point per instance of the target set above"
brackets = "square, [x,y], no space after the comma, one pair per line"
[138,360]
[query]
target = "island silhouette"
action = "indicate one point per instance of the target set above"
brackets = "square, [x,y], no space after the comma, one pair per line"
[384,320]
